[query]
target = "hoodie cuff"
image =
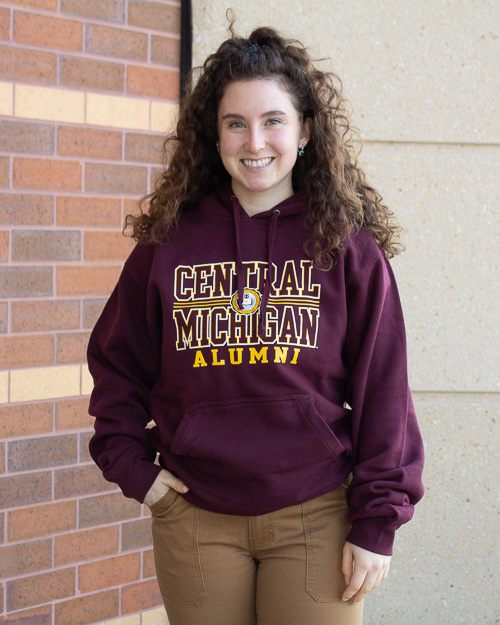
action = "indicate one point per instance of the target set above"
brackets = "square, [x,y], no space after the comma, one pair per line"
[373,534]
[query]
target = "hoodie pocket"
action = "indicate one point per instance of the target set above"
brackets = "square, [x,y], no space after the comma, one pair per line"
[256,436]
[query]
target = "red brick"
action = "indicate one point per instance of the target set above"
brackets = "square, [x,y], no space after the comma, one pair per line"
[4,23]
[46,245]
[73,413]
[123,179]
[43,30]
[89,143]
[27,65]
[148,563]
[166,50]
[4,245]
[4,317]
[41,615]
[136,534]
[92,308]
[105,509]
[25,281]
[90,609]
[82,480]
[46,5]
[107,246]
[144,148]
[72,347]
[26,351]
[79,72]
[41,453]
[2,526]
[158,83]
[110,572]
[107,10]
[27,137]
[23,490]
[26,557]
[90,280]
[24,209]
[140,596]
[88,211]
[86,545]
[84,446]
[22,593]
[154,15]
[4,171]
[2,470]
[116,42]
[25,419]
[43,315]
[37,173]
[41,520]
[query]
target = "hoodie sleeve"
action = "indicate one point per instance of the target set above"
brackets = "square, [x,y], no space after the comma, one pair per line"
[387,446]
[124,360]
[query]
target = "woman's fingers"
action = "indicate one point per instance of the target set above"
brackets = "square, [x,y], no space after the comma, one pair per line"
[164,480]
[170,480]
[370,569]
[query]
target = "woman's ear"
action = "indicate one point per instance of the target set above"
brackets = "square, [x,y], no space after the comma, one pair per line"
[306,129]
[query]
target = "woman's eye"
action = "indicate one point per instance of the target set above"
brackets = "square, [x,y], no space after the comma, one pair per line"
[235,125]
[273,121]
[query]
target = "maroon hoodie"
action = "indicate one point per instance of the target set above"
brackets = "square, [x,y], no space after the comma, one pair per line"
[268,381]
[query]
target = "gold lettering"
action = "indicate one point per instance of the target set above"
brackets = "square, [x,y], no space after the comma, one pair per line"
[199,361]
[258,355]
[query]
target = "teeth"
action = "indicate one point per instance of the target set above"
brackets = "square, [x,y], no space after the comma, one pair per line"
[256,164]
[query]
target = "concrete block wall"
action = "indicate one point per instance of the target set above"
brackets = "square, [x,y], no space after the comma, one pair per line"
[87,91]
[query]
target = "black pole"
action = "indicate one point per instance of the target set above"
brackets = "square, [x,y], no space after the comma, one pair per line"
[186,44]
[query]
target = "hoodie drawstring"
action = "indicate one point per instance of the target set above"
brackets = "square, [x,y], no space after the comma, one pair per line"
[241,273]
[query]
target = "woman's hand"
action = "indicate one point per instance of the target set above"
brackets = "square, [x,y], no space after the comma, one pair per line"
[164,481]
[363,571]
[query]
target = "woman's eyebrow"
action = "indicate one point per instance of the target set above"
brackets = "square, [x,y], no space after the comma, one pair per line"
[267,114]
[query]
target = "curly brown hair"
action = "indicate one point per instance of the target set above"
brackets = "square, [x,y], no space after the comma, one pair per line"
[340,199]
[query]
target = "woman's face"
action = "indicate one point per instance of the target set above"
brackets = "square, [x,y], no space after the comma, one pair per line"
[259,135]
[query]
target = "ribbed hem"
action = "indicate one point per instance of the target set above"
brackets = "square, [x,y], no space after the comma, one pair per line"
[373,534]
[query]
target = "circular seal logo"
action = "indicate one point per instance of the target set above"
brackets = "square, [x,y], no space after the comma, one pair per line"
[251,302]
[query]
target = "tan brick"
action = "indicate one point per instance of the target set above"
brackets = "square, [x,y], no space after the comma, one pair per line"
[26,557]
[81,480]
[88,211]
[136,534]
[41,520]
[89,143]
[41,453]
[92,308]
[87,280]
[26,420]
[109,11]
[116,42]
[104,509]
[27,65]
[29,591]
[140,596]
[154,15]
[86,545]
[2,530]
[6,98]
[89,609]
[117,111]
[46,5]
[4,317]
[88,73]
[46,245]
[4,23]
[2,470]
[26,351]
[4,387]
[60,105]
[25,281]
[109,572]
[23,209]
[72,347]
[45,315]
[146,148]
[41,615]
[87,381]
[123,179]
[72,414]
[27,137]
[44,383]
[4,245]
[107,246]
[37,173]
[84,455]
[166,50]
[148,564]
[4,171]
[44,30]
[158,83]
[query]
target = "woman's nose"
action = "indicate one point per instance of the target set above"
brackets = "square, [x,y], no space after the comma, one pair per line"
[255,140]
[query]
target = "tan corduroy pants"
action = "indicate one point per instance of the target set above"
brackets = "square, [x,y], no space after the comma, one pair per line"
[281,568]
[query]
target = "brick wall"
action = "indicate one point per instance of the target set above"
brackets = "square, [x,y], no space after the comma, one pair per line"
[87,87]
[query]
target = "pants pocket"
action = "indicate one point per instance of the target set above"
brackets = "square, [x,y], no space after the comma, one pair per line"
[326,528]
[175,544]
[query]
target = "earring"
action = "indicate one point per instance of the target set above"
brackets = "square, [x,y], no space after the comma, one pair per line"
[218,148]
[301,150]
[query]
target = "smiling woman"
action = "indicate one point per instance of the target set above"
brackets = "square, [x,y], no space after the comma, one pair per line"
[258,305]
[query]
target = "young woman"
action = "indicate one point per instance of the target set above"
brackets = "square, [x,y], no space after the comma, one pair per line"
[254,346]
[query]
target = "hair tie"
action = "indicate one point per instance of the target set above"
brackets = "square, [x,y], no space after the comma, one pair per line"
[253,47]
